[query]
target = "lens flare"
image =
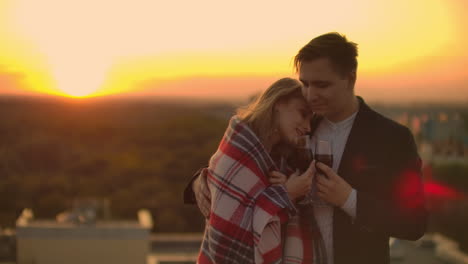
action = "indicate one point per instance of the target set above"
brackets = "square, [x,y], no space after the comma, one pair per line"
[437,190]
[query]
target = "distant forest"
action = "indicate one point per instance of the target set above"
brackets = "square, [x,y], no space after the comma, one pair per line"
[134,153]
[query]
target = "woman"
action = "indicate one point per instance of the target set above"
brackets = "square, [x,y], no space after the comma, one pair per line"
[251,220]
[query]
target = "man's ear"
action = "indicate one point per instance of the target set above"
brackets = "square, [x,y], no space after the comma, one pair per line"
[351,79]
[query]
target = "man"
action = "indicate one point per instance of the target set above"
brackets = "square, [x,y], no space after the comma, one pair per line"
[374,188]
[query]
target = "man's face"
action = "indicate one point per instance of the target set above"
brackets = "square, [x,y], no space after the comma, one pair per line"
[327,92]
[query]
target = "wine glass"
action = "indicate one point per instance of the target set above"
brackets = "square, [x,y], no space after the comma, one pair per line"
[305,154]
[322,152]
[303,161]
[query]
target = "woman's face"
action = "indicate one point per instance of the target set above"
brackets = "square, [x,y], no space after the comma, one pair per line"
[293,120]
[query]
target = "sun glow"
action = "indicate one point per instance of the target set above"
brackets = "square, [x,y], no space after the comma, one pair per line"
[93,48]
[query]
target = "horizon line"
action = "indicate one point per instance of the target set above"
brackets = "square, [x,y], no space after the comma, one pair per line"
[178,98]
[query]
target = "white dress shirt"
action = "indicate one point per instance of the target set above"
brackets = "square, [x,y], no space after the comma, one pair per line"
[338,134]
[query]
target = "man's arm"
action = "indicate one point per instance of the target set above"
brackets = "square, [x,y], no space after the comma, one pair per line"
[400,211]
[349,207]
[197,192]
[397,209]
[189,195]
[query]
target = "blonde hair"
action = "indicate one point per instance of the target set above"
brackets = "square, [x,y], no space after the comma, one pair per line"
[260,115]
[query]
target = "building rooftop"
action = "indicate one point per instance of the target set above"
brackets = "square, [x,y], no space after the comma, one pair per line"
[102,230]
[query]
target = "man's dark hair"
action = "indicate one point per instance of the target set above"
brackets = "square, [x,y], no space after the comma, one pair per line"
[334,46]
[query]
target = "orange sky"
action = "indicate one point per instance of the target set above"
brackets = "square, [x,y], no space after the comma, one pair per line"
[409,50]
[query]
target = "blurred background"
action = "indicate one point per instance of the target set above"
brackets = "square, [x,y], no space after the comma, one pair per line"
[107,108]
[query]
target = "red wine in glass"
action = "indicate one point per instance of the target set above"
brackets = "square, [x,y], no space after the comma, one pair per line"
[323,153]
[303,158]
[325,159]
[304,154]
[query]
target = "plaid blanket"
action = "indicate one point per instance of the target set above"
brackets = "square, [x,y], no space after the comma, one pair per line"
[251,221]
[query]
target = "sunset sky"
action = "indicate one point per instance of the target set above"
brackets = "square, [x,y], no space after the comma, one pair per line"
[408,50]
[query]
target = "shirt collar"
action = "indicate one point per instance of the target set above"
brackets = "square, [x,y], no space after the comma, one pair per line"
[343,123]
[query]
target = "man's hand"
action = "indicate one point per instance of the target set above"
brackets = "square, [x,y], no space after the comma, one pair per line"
[334,190]
[296,185]
[202,193]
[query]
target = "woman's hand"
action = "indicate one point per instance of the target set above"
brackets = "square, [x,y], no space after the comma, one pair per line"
[296,185]
[277,178]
